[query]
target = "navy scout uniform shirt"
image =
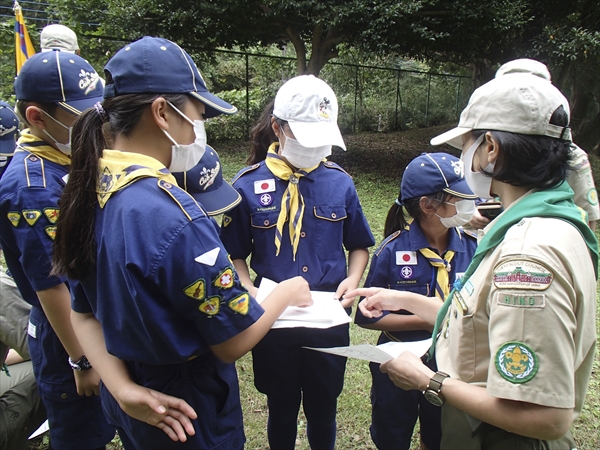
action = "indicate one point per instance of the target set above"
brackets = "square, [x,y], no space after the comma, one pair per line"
[164,289]
[29,193]
[397,264]
[333,219]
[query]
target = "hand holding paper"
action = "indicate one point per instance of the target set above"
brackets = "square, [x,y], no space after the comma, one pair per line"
[380,353]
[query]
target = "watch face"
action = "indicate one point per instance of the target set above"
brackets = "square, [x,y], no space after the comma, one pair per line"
[433,398]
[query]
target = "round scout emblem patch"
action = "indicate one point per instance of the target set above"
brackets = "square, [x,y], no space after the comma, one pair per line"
[592,196]
[406,272]
[266,199]
[516,362]
[522,274]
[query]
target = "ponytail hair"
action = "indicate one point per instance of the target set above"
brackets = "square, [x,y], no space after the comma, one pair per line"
[75,242]
[402,213]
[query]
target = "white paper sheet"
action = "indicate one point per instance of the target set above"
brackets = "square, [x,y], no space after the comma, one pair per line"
[325,312]
[380,353]
[42,429]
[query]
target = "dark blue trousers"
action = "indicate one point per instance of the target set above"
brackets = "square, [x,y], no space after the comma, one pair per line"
[289,375]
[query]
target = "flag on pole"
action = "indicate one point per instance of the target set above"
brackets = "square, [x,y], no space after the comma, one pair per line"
[23,47]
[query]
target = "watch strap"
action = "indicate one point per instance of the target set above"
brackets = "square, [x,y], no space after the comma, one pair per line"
[435,383]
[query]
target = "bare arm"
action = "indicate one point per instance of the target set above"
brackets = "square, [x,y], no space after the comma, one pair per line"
[292,292]
[244,273]
[170,414]
[56,302]
[380,299]
[399,322]
[525,419]
[357,262]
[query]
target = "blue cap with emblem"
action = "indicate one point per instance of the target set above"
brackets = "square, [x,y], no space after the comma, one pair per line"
[206,184]
[9,130]
[159,66]
[430,173]
[59,77]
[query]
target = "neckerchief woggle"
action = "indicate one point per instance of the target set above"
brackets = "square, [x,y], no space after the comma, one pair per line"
[39,147]
[555,202]
[117,170]
[292,202]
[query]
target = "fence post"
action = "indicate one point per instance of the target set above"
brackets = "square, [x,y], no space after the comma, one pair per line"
[247,97]
[427,106]
[355,98]
[397,97]
[457,97]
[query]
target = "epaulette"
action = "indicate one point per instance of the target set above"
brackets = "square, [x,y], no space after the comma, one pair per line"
[332,165]
[34,171]
[387,240]
[186,202]
[470,232]
[244,171]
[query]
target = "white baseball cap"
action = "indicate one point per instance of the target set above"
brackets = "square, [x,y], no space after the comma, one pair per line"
[57,36]
[524,65]
[310,107]
[517,103]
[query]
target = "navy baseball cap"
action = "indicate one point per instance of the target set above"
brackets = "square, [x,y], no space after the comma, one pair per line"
[9,130]
[59,77]
[206,184]
[429,173]
[158,66]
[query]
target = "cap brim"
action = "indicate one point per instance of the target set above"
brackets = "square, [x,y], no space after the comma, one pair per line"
[461,189]
[214,105]
[7,145]
[316,134]
[451,137]
[220,200]
[78,106]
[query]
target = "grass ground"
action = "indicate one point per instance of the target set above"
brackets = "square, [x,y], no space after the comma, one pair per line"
[376,161]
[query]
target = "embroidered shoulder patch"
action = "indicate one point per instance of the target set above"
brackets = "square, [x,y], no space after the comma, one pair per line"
[31,216]
[225,279]
[226,220]
[210,306]
[51,231]
[522,274]
[51,214]
[14,217]
[196,290]
[516,362]
[592,196]
[240,303]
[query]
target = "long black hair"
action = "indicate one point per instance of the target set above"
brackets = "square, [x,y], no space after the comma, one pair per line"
[262,135]
[75,242]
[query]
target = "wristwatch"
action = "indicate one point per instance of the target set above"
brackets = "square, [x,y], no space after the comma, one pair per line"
[432,393]
[81,364]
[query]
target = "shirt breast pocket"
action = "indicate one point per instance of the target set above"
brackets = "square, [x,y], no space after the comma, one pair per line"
[263,229]
[330,231]
[461,334]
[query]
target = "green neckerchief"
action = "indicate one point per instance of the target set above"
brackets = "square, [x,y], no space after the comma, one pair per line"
[556,202]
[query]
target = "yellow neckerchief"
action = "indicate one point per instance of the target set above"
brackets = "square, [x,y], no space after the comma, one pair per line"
[442,280]
[39,147]
[292,202]
[118,170]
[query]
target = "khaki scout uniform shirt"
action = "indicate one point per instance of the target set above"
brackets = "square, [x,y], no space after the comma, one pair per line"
[524,326]
[581,181]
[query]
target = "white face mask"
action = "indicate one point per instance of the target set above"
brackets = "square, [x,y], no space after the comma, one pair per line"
[65,148]
[464,213]
[303,157]
[185,156]
[479,183]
